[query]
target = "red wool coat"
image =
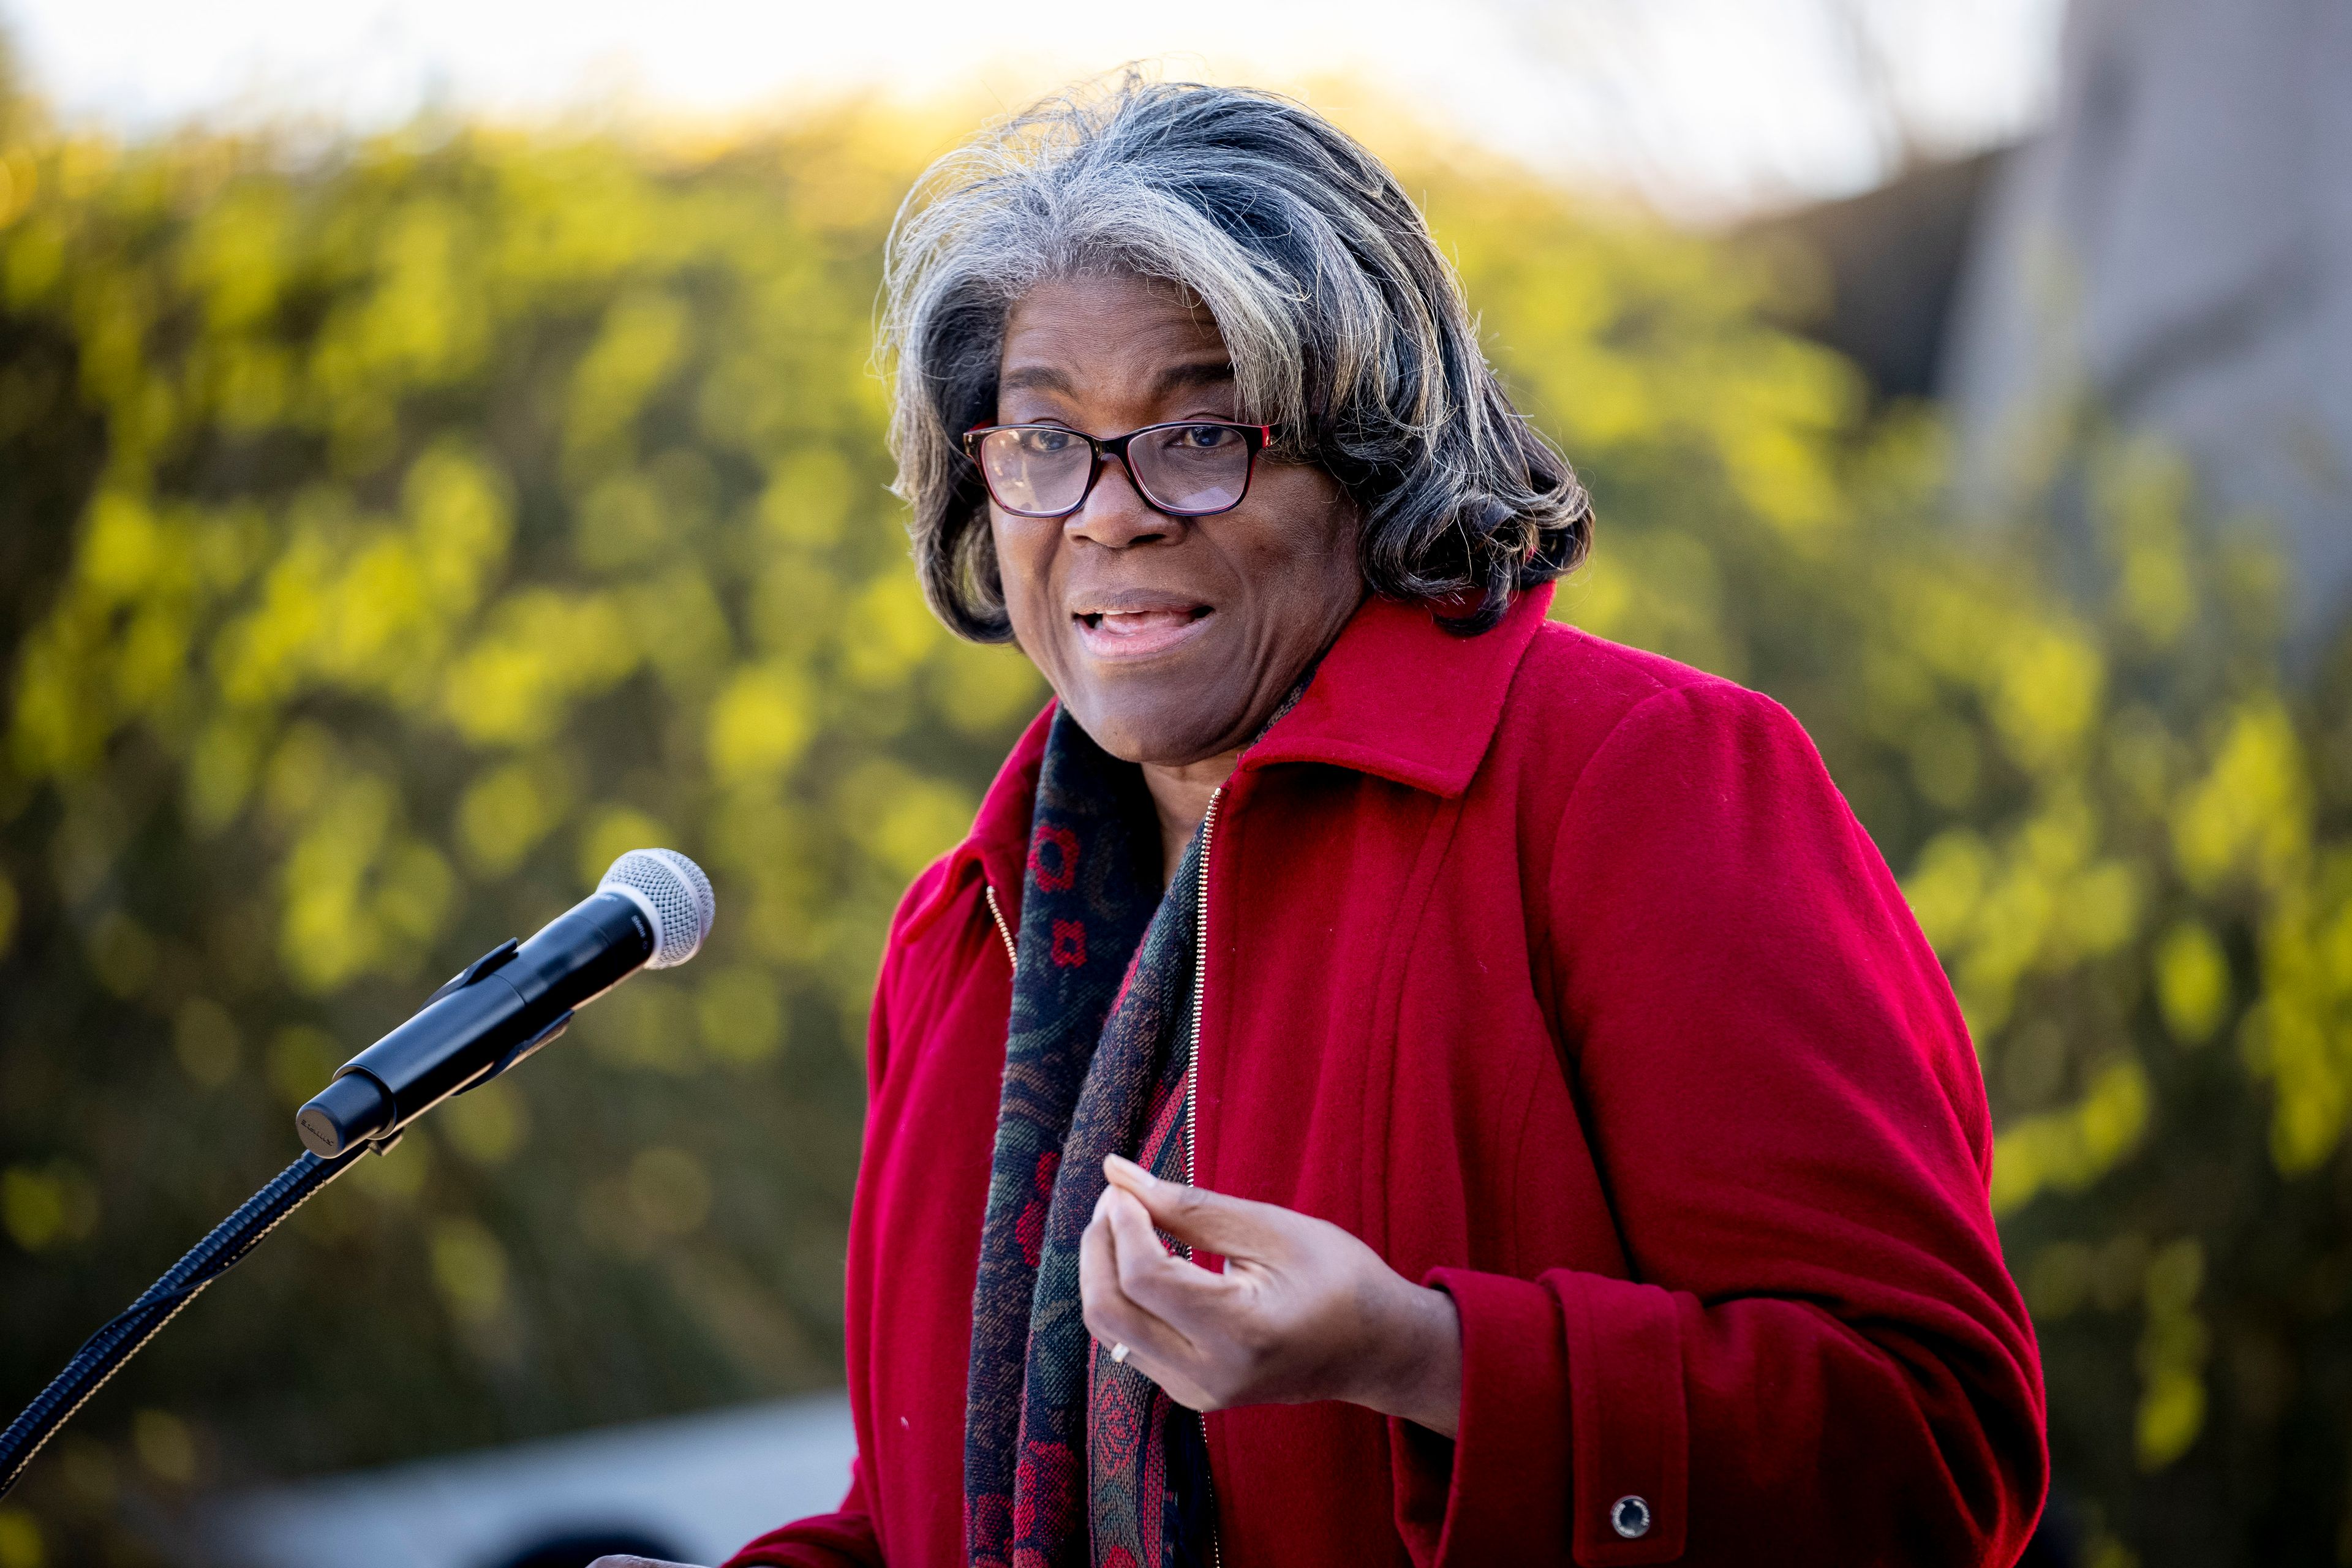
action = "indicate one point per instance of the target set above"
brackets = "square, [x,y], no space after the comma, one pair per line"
[1562,975]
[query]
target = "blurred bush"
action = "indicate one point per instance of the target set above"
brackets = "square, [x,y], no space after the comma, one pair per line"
[393,534]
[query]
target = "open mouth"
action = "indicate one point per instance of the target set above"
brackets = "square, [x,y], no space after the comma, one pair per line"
[1134,633]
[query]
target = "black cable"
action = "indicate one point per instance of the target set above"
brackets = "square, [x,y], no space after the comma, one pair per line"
[105,1352]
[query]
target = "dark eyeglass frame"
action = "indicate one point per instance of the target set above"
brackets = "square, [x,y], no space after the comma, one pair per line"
[1257,436]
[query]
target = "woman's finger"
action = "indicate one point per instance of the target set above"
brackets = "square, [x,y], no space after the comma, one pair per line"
[1231,1228]
[1112,1316]
[1187,1297]
[1154,1348]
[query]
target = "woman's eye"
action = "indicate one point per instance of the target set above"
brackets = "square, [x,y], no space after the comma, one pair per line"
[1044,440]
[1203,436]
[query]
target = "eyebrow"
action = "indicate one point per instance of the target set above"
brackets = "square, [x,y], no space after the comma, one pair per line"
[1175,378]
[1200,372]
[1033,378]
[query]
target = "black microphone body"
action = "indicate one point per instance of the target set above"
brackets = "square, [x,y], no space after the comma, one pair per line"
[498,1010]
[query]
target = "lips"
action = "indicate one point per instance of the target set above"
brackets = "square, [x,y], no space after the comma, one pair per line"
[1140,632]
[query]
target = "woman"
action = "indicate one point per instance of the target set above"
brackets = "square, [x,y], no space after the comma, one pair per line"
[1471,1093]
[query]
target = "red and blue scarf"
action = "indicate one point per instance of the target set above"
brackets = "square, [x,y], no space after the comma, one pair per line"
[1071,1460]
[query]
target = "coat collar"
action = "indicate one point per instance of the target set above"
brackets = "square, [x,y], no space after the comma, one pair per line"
[1397,696]
[1402,698]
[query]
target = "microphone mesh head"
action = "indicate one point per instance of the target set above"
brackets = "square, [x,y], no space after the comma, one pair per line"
[678,895]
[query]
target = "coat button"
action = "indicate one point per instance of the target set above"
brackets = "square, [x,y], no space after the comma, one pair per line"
[1630,1517]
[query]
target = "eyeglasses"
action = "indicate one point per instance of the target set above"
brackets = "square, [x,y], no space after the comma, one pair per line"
[1191,468]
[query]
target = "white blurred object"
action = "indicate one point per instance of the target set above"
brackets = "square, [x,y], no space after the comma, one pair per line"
[699,1484]
[2176,249]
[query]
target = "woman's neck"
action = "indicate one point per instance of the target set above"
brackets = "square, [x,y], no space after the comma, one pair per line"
[1179,797]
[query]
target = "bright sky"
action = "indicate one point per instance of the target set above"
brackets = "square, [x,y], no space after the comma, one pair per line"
[1705,106]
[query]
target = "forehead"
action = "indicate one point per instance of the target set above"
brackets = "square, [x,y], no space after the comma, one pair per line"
[1109,333]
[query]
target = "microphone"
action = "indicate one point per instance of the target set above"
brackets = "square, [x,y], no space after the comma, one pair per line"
[651,910]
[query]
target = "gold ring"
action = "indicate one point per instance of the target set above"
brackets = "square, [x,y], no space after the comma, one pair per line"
[1118,1354]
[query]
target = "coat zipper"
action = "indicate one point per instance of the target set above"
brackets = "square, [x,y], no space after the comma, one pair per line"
[1001,929]
[1199,980]
[1192,1116]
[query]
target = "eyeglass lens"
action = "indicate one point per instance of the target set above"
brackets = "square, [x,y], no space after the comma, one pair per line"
[1044,470]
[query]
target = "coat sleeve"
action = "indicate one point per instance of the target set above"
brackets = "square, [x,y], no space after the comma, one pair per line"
[845,1537]
[1819,1356]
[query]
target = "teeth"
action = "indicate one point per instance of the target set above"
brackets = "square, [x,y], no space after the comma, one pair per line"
[1130,622]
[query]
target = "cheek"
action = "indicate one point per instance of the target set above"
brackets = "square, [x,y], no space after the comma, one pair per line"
[1303,548]
[1018,565]
[1025,566]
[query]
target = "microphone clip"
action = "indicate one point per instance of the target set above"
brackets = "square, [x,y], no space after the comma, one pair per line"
[476,970]
[517,1053]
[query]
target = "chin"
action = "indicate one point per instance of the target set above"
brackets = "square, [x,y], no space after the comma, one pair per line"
[1169,734]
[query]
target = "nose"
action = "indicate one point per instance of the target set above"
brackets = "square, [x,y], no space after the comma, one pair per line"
[1116,515]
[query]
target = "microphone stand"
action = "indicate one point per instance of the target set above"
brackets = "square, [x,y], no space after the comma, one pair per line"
[105,1352]
[652,908]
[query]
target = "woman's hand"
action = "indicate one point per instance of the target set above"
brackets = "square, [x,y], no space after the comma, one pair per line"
[1302,1311]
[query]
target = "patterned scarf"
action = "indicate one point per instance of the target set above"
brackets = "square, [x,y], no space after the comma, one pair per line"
[1070,1459]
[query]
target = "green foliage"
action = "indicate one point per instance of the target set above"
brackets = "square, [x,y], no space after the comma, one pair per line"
[391,539]
[419,530]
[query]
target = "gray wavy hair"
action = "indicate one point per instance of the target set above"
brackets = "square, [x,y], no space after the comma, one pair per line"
[1346,325]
